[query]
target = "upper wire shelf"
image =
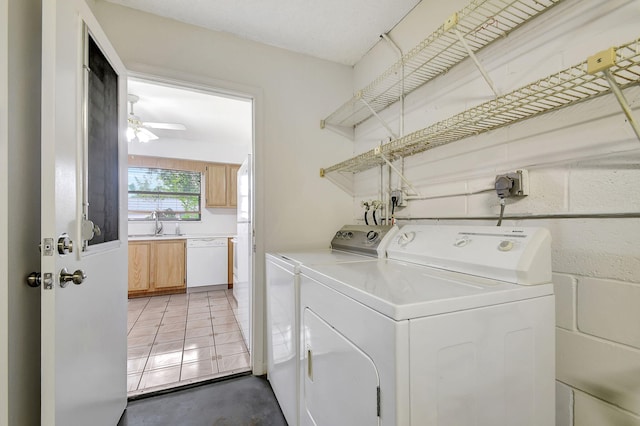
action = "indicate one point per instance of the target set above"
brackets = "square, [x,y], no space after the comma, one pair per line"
[480,23]
[560,90]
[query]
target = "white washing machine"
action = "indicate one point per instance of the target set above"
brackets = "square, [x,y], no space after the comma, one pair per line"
[352,243]
[455,327]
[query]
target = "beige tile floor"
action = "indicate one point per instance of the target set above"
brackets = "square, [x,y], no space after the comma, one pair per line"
[183,338]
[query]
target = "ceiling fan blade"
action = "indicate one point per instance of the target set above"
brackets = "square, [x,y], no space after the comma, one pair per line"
[165,126]
[145,135]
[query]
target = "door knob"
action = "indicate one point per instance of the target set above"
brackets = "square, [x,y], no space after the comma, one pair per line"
[65,245]
[77,277]
[34,279]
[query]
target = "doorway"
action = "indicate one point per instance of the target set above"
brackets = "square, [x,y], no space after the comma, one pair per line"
[178,336]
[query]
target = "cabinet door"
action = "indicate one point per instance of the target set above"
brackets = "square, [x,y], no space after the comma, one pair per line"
[139,259]
[232,184]
[216,185]
[168,260]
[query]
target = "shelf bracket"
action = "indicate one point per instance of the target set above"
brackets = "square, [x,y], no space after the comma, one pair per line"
[395,47]
[601,62]
[384,123]
[339,180]
[378,151]
[480,67]
[347,132]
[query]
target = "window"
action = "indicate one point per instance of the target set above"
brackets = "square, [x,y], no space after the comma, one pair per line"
[174,194]
[101,193]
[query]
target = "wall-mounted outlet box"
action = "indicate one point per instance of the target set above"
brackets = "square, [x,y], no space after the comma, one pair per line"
[513,184]
[400,199]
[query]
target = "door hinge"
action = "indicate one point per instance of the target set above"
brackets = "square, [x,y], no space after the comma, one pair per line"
[378,401]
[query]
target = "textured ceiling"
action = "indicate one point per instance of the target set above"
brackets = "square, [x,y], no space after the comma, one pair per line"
[207,117]
[337,30]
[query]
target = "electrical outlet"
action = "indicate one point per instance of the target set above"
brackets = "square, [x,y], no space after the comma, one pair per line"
[513,184]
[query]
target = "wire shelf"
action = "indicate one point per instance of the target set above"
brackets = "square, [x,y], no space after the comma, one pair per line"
[480,23]
[557,91]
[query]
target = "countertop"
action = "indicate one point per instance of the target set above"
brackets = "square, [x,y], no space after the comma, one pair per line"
[151,237]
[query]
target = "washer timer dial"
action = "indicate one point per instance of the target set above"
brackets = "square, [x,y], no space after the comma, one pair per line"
[505,245]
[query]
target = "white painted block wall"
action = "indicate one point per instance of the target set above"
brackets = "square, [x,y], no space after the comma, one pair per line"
[294,92]
[584,159]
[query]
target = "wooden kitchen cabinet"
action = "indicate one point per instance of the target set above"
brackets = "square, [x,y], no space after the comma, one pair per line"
[168,259]
[221,185]
[157,267]
[232,184]
[139,262]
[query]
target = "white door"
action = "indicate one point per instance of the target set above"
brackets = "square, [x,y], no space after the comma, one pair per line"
[83,324]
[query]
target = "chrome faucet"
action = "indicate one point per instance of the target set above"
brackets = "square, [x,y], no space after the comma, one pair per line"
[157,230]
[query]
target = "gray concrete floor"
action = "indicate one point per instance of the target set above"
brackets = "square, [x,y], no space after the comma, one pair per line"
[241,401]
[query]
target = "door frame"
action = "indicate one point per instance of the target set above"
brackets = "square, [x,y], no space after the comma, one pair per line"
[191,81]
[4,211]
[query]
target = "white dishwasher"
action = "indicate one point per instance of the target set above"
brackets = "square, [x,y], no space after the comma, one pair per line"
[206,261]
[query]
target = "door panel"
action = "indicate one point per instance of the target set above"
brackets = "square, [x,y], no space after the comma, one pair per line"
[216,185]
[340,382]
[139,263]
[169,264]
[83,325]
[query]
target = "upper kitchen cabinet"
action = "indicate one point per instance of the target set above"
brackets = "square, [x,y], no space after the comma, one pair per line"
[221,185]
[232,179]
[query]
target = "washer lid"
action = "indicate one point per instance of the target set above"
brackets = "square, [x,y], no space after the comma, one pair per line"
[403,290]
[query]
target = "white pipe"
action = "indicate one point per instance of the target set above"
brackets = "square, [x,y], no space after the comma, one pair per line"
[399,174]
[399,53]
[431,197]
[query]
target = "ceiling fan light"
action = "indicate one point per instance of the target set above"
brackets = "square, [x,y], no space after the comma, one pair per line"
[131,134]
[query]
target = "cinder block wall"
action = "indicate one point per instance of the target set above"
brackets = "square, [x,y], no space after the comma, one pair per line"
[581,160]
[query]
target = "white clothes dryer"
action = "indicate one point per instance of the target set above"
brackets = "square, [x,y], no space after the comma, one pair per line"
[455,327]
[352,243]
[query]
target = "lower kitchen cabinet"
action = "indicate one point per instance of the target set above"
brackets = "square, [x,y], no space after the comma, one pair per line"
[156,267]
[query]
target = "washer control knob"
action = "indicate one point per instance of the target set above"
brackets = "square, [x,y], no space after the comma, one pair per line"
[405,238]
[349,235]
[461,242]
[338,235]
[505,245]
[372,235]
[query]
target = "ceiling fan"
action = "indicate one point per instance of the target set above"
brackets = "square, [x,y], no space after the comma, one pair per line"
[138,130]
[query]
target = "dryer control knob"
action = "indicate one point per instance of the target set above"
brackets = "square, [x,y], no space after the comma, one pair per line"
[505,245]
